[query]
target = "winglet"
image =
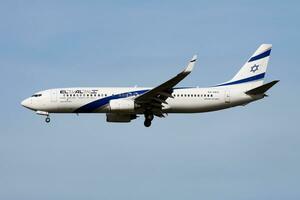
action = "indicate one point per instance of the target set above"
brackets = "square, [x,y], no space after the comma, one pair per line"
[191,64]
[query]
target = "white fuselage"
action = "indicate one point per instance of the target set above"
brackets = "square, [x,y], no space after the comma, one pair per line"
[96,100]
[124,104]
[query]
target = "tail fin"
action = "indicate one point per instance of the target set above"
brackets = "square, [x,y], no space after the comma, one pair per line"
[255,68]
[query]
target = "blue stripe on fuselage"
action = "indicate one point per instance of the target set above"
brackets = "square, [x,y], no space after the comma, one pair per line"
[245,80]
[90,107]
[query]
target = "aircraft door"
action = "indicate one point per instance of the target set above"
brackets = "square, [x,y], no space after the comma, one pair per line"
[53,96]
[227,96]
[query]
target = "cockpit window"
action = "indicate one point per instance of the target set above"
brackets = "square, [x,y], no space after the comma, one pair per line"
[36,95]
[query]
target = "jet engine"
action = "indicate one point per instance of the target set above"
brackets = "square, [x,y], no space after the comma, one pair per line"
[121,105]
[113,117]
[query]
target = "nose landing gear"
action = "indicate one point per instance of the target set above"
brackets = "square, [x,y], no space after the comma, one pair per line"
[148,119]
[47,120]
[44,113]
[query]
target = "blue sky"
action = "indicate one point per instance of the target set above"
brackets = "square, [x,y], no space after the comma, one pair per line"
[246,153]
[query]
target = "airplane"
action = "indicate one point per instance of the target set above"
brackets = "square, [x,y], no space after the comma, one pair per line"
[124,104]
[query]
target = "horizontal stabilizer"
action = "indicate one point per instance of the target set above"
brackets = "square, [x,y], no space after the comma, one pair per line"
[261,89]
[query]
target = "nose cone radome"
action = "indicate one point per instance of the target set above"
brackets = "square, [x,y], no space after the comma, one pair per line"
[26,103]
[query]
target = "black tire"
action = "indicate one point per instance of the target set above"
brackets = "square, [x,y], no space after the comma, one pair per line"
[147,123]
[47,120]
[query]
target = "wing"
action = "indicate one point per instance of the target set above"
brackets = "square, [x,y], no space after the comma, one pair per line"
[153,99]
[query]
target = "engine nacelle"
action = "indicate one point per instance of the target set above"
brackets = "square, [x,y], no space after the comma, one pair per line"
[113,117]
[121,105]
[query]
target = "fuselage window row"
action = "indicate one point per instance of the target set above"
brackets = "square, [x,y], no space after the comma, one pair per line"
[192,95]
[101,95]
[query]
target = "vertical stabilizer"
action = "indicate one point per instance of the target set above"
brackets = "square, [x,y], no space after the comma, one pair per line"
[254,69]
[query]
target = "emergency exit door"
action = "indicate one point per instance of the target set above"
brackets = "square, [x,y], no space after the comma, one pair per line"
[227,97]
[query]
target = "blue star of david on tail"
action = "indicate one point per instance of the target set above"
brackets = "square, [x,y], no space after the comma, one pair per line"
[254,68]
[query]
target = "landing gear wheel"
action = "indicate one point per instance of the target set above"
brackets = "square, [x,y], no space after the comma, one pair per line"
[148,118]
[47,120]
[147,123]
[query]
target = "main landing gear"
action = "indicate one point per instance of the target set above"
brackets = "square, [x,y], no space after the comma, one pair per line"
[148,119]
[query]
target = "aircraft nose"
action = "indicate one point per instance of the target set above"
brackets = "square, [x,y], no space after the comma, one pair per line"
[26,103]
